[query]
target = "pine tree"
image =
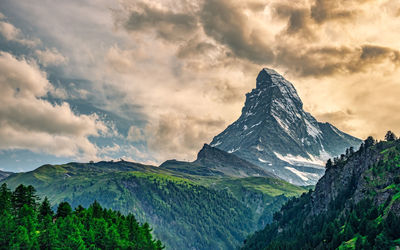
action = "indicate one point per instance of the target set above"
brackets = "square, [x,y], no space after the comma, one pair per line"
[329,164]
[20,239]
[64,209]
[390,136]
[45,209]
[48,238]
[370,141]
[7,227]
[5,198]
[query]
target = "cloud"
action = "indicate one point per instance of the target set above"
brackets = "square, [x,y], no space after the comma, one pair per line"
[30,122]
[49,57]
[227,24]
[177,71]
[167,24]
[172,132]
[326,61]
[213,59]
[11,33]
[135,134]
[298,19]
[326,10]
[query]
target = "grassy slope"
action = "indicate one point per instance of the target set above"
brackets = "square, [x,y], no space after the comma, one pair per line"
[184,209]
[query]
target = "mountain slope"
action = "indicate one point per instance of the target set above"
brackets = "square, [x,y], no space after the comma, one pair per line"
[274,132]
[4,175]
[187,210]
[213,161]
[356,204]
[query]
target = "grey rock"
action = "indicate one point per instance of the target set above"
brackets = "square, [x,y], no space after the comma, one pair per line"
[275,133]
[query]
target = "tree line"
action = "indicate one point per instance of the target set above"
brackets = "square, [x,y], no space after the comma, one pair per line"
[27,223]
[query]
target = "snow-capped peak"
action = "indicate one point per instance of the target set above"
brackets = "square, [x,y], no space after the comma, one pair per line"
[275,132]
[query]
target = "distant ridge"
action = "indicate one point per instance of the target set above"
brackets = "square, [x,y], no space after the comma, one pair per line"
[214,161]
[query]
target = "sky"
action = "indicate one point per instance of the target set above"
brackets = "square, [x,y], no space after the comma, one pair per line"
[148,81]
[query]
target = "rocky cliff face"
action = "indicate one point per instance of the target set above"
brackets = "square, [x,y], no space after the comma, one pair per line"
[274,132]
[371,172]
[355,205]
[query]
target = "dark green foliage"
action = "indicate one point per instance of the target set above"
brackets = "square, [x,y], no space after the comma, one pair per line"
[45,209]
[185,211]
[25,225]
[390,136]
[371,223]
[64,209]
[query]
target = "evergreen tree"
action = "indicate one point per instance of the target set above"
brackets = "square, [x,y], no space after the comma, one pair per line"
[390,136]
[45,209]
[93,228]
[329,164]
[64,209]
[48,238]
[370,141]
[20,239]
[5,199]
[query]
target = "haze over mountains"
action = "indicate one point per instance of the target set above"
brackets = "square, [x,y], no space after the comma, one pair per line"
[275,133]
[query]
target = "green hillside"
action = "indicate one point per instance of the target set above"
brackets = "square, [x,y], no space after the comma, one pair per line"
[187,211]
[355,205]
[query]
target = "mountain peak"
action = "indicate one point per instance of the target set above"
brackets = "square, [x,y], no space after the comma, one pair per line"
[271,85]
[274,132]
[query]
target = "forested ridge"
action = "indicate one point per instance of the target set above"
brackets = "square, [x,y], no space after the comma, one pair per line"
[26,223]
[185,211]
[355,205]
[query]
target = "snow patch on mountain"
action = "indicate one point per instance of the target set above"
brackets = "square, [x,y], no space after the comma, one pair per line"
[233,150]
[216,144]
[303,175]
[299,160]
[312,130]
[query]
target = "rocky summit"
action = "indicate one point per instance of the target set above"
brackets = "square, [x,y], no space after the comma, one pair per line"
[275,133]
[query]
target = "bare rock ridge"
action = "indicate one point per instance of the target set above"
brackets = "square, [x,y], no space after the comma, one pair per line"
[275,133]
[212,161]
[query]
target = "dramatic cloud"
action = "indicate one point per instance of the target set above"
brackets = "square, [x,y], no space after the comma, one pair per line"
[227,24]
[312,42]
[327,61]
[29,122]
[174,73]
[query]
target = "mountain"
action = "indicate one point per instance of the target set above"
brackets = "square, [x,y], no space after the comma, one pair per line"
[4,175]
[213,161]
[275,133]
[355,205]
[193,207]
